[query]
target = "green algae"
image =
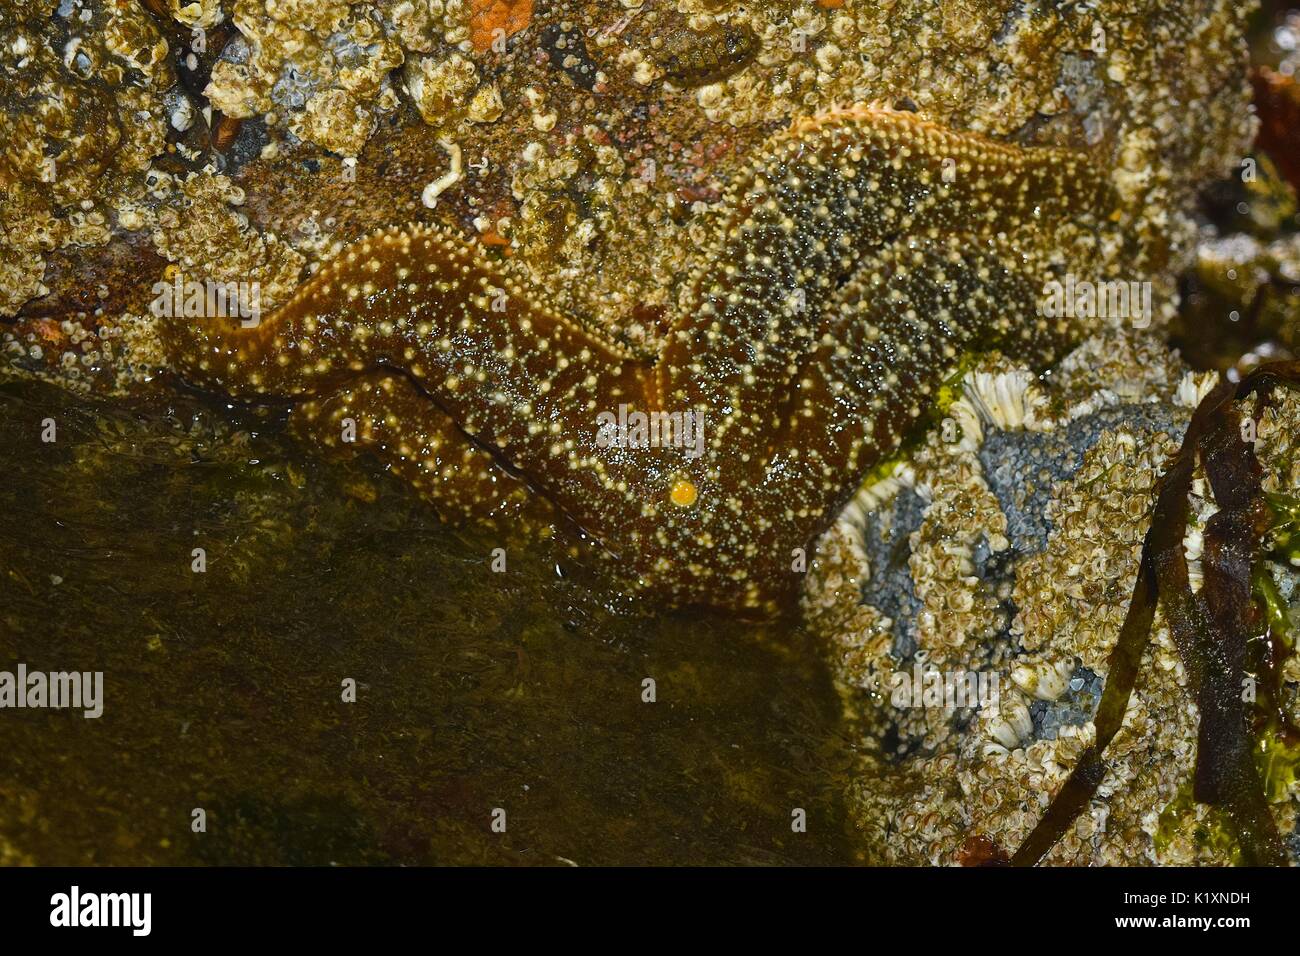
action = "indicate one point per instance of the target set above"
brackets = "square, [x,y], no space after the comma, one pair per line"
[1284,535]
[1278,762]
[1215,835]
[1277,744]
[475,690]
[945,396]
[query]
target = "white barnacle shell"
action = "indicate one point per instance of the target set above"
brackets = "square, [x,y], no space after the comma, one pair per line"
[1005,400]
[1013,725]
[1194,386]
[1043,680]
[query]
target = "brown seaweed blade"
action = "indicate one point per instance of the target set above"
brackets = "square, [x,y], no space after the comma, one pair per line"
[1226,775]
[1277,99]
[1210,629]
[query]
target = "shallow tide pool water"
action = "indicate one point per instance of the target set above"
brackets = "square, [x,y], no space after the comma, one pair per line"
[476,692]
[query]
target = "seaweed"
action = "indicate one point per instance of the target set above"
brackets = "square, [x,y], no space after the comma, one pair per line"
[1211,628]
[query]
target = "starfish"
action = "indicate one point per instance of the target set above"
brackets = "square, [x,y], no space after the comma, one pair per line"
[852,265]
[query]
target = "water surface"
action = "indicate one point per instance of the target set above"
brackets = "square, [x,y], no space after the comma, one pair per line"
[475,690]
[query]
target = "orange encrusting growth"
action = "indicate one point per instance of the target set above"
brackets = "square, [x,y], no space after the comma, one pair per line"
[493,19]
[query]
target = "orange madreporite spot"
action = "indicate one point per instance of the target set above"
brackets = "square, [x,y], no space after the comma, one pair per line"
[683,494]
[488,16]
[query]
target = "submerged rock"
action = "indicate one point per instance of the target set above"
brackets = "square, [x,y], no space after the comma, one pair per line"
[1024,579]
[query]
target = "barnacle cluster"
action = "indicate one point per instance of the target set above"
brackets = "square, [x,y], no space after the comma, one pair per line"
[84,114]
[596,139]
[202,231]
[1073,491]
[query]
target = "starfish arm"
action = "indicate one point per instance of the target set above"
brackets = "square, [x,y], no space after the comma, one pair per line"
[524,382]
[824,198]
[385,415]
[394,295]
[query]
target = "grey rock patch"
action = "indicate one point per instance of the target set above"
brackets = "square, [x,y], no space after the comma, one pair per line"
[1022,466]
